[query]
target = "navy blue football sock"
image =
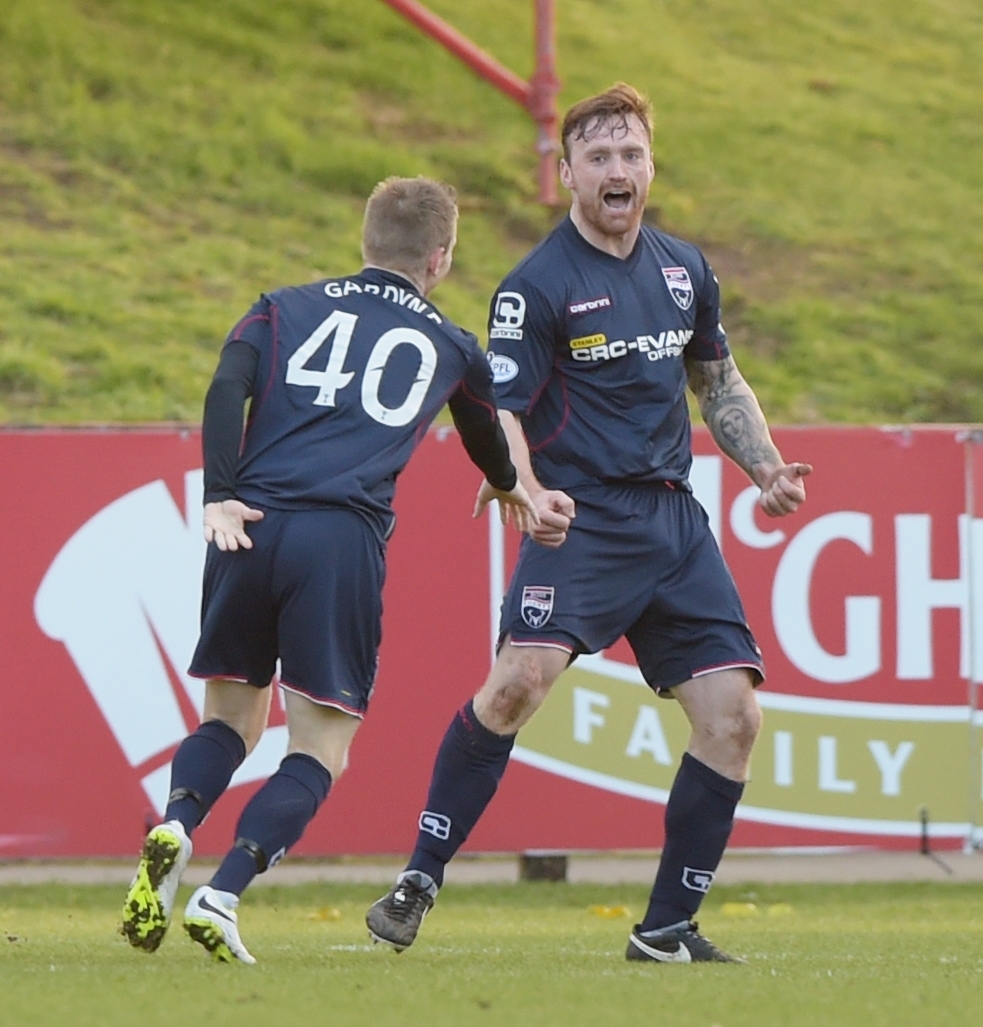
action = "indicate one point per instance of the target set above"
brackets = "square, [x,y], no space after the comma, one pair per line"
[273,820]
[699,818]
[201,771]
[469,765]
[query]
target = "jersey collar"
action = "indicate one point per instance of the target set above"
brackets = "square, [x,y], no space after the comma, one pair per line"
[390,278]
[569,230]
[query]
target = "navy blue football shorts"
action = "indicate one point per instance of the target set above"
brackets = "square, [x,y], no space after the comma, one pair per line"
[308,593]
[638,561]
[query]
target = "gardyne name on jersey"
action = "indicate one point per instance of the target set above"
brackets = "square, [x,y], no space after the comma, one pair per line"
[404,297]
[596,347]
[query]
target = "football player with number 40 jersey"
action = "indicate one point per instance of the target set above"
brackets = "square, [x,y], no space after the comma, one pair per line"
[593,339]
[342,378]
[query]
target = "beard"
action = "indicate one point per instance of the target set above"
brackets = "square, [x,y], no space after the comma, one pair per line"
[613,212]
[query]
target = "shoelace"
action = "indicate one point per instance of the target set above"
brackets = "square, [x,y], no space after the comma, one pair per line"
[405,901]
[695,928]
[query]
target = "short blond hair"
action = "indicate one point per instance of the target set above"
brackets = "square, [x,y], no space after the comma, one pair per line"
[406,220]
[585,119]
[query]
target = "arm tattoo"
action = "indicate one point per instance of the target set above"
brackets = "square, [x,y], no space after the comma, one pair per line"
[732,413]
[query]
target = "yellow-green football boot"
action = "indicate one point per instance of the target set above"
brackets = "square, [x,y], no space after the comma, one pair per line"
[150,900]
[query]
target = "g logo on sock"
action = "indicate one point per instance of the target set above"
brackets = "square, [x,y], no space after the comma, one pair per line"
[697,880]
[436,824]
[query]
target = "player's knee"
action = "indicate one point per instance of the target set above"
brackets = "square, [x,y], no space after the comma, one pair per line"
[252,730]
[335,764]
[243,727]
[744,727]
[239,706]
[333,758]
[329,750]
[740,728]
[322,732]
[740,716]
[513,697]
[729,731]
[508,705]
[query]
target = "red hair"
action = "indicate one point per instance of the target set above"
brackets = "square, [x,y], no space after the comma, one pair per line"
[585,119]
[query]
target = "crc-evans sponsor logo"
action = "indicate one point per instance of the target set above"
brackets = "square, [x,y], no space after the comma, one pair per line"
[591,348]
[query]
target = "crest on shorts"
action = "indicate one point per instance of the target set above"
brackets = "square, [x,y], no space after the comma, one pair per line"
[537,604]
[679,285]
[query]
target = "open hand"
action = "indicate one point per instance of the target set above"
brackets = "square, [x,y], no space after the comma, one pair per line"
[514,506]
[225,524]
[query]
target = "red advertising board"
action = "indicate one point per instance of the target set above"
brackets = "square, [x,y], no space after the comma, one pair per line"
[865,605]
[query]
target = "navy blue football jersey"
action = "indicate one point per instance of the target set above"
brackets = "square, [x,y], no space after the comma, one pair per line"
[351,373]
[590,349]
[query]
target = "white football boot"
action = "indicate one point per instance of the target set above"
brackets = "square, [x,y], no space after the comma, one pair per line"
[211,920]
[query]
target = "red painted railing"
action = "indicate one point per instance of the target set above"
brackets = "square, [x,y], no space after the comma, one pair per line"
[537,96]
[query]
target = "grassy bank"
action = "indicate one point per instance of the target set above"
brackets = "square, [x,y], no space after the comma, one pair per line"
[162,163]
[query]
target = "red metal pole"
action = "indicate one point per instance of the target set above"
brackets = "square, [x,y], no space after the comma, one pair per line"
[484,64]
[542,103]
[537,96]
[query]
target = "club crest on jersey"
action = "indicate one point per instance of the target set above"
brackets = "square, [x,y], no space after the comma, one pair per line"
[679,285]
[537,604]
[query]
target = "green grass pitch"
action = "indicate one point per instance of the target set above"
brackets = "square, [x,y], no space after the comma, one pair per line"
[532,955]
